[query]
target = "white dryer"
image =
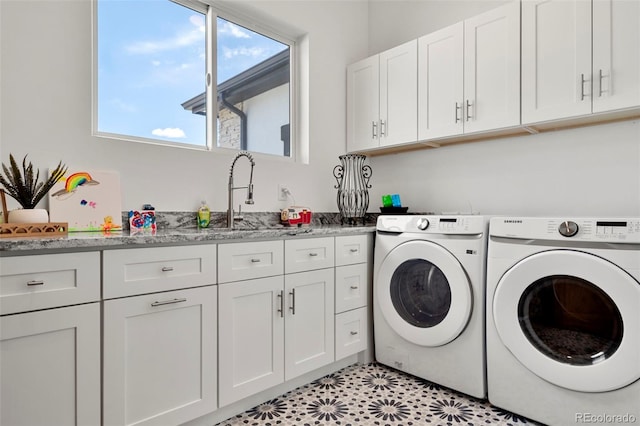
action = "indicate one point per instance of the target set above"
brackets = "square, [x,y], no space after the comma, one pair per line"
[429,277]
[563,319]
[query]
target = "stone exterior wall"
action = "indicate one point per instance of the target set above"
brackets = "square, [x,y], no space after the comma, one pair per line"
[229,128]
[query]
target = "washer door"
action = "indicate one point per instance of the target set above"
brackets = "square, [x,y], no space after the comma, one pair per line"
[424,293]
[572,318]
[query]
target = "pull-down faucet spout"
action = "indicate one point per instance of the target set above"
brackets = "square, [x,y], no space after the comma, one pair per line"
[249,188]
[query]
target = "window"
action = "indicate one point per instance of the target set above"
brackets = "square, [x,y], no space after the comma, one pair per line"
[153,65]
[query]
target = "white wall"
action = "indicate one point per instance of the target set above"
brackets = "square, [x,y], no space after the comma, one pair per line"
[45,108]
[589,171]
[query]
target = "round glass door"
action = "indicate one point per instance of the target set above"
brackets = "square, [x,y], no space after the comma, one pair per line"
[569,317]
[424,293]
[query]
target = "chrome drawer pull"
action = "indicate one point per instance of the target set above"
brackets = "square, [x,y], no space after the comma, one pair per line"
[281,310]
[293,301]
[167,268]
[255,260]
[354,287]
[353,250]
[169,302]
[35,282]
[353,333]
[313,254]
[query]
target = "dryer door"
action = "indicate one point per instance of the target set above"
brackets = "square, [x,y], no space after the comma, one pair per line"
[572,318]
[424,293]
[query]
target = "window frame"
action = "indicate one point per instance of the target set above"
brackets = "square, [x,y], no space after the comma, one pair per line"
[212,10]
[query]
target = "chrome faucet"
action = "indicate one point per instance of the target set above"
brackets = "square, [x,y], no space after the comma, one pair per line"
[249,200]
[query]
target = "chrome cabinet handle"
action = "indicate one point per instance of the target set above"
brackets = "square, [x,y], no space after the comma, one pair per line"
[281,297]
[582,82]
[374,129]
[169,302]
[35,282]
[600,91]
[167,268]
[293,301]
[353,333]
[382,128]
[354,287]
[469,105]
[255,260]
[458,108]
[313,254]
[353,250]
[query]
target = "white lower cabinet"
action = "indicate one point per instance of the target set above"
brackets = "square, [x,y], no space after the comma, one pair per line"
[272,330]
[50,367]
[251,337]
[309,338]
[160,357]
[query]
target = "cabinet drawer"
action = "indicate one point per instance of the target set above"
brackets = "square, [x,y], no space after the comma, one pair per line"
[128,272]
[352,249]
[243,261]
[308,254]
[352,286]
[351,332]
[29,283]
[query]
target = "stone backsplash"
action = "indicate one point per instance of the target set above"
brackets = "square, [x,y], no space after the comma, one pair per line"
[251,220]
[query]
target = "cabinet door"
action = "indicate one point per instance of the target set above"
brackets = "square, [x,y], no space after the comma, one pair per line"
[244,261]
[556,59]
[399,94]
[440,79]
[351,332]
[129,272]
[308,254]
[492,69]
[309,325]
[616,54]
[29,283]
[363,100]
[352,286]
[50,367]
[251,337]
[160,357]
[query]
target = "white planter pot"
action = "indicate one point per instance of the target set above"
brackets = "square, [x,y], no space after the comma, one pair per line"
[28,216]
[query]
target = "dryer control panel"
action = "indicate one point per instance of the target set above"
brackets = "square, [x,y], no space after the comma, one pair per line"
[615,230]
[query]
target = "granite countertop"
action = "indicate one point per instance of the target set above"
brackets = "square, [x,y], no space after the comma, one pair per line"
[172,236]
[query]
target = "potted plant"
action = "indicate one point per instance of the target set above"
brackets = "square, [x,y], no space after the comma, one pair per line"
[23,185]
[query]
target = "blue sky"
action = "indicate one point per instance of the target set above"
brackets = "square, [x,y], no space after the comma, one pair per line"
[151,59]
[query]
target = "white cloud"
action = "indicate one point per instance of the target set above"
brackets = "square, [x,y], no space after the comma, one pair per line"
[180,40]
[155,63]
[254,52]
[233,30]
[169,132]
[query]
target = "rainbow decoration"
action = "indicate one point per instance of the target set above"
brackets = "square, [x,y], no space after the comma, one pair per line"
[77,179]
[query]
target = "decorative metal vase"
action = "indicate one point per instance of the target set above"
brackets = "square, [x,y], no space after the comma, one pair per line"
[353,187]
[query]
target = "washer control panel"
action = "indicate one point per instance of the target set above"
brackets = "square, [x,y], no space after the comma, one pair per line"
[619,230]
[432,224]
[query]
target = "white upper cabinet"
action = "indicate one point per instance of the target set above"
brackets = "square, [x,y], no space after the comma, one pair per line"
[556,59]
[440,79]
[492,69]
[382,99]
[616,54]
[469,75]
[561,77]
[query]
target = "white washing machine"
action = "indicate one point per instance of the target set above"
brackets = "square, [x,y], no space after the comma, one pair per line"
[429,277]
[563,319]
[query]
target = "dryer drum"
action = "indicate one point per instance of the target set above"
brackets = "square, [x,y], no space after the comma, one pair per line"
[570,320]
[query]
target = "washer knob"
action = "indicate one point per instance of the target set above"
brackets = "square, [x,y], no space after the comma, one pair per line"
[423,223]
[568,228]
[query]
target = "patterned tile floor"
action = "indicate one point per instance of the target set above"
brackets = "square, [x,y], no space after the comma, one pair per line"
[373,394]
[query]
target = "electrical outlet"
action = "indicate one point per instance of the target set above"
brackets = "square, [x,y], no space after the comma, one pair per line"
[283,191]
